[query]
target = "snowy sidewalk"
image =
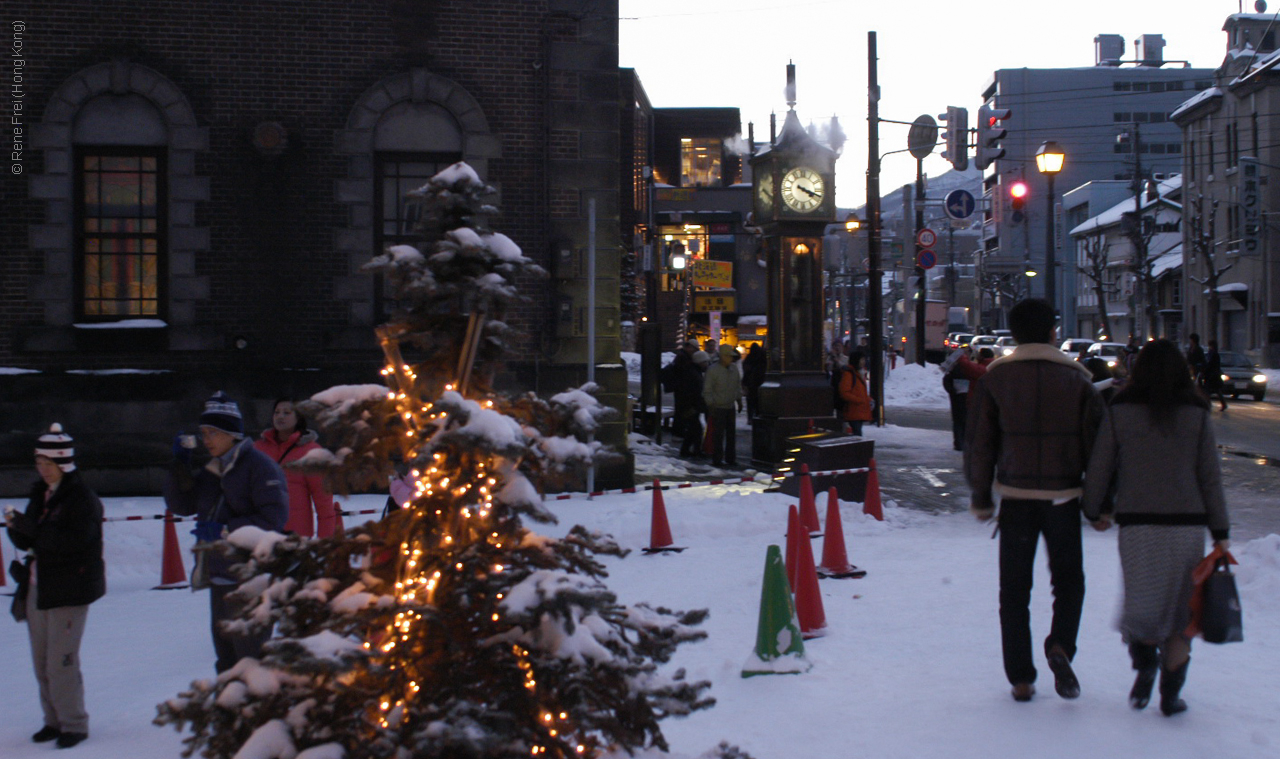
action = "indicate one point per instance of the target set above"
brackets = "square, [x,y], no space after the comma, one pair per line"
[910,666]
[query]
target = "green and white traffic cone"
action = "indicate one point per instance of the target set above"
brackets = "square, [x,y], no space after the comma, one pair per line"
[779,645]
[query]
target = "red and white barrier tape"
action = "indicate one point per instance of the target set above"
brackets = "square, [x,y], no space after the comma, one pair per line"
[760,478]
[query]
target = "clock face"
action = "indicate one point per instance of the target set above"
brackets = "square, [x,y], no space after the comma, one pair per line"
[764,192]
[803,189]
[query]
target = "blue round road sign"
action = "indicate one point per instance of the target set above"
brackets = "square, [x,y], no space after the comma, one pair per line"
[927,259]
[959,204]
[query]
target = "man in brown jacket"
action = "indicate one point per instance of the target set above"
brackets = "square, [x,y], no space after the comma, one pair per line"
[1032,421]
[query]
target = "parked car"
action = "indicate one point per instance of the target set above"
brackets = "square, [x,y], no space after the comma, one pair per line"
[1073,345]
[1004,346]
[1113,353]
[1240,376]
[957,340]
[983,341]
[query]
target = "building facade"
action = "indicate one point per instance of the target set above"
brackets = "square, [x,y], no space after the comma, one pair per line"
[1112,122]
[203,181]
[1124,256]
[1231,139]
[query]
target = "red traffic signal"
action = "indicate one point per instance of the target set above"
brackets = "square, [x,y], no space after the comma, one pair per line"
[1018,194]
[1017,200]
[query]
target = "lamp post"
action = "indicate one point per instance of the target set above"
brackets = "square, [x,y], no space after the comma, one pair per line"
[1049,160]
[851,225]
[678,263]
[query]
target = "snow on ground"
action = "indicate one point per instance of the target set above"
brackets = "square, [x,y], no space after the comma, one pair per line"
[909,667]
[1273,380]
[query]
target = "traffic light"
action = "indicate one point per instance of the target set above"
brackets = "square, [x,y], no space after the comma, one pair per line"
[957,152]
[989,135]
[1017,201]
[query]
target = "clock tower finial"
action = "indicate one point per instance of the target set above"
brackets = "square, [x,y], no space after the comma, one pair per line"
[791,85]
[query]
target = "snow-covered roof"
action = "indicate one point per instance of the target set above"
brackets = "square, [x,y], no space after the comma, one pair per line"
[1258,65]
[1167,262]
[1233,287]
[1196,99]
[1113,215]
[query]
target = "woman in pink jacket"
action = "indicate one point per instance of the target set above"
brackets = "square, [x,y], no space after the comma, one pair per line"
[289,440]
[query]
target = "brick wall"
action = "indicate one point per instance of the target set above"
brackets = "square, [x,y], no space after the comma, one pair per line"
[270,264]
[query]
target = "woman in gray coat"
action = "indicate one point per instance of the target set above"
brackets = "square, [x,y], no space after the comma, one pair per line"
[1154,471]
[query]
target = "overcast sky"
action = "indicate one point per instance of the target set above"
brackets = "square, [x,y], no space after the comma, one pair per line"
[932,53]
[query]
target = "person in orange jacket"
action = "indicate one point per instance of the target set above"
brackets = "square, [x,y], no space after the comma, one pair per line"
[853,391]
[289,440]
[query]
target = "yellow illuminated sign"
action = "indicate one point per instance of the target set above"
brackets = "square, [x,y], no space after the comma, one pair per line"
[712,273]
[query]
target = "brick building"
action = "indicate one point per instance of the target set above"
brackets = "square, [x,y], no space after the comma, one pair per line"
[202,181]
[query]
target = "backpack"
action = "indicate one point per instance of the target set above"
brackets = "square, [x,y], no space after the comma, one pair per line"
[836,401]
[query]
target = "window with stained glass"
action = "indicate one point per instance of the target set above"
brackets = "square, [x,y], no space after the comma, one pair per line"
[120,209]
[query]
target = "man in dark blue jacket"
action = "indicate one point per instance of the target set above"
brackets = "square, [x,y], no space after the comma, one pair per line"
[239,486]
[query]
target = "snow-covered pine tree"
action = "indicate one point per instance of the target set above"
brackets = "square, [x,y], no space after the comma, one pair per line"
[447,629]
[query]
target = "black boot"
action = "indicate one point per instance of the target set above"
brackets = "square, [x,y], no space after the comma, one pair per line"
[1171,681]
[1147,662]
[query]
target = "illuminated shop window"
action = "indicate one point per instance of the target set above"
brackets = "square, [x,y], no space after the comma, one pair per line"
[699,162]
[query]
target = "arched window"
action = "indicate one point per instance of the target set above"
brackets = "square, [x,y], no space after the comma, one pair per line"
[400,133]
[119,238]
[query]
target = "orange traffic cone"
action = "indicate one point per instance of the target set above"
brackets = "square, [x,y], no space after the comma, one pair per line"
[659,531]
[835,560]
[871,502]
[808,507]
[794,531]
[172,573]
[813,619]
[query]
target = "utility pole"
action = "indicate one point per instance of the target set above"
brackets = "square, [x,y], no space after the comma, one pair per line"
[875,311]
[1139,243]
[919,271]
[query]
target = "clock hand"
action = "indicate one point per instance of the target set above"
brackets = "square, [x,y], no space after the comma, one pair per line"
[807,191]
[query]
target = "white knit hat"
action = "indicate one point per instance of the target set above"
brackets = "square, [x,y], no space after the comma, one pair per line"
[58,447]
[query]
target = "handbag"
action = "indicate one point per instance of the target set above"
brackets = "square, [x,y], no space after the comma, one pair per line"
[1215,601]
[22,575]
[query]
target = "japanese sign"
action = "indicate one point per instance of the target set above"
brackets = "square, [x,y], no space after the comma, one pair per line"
[711,273]
[1250,207]
[722,300]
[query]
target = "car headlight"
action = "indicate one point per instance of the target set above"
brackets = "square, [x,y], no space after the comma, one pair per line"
[1111,363]
[1007,351]
[1261,379]
[1225,378]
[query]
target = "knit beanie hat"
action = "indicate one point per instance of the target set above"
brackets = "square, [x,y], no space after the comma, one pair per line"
[58,447]
[222,413]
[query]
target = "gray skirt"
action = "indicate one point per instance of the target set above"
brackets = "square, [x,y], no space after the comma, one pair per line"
[1157,561]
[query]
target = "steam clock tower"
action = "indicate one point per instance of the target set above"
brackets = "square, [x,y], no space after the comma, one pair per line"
[794,201]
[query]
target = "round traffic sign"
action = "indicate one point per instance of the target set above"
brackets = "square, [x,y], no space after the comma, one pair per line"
[927,259]
[959,204]
[923,136]
[926,238]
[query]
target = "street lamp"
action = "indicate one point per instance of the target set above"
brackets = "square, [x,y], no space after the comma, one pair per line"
[1049,160]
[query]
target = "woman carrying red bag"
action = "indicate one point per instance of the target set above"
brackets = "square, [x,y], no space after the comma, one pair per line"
[1156,452]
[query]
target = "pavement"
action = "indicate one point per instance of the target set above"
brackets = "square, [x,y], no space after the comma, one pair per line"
[924,484]
[931,477]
